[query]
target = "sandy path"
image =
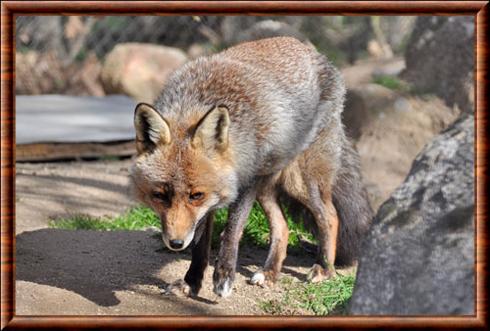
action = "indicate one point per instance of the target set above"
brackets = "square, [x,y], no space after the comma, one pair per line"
[120,272]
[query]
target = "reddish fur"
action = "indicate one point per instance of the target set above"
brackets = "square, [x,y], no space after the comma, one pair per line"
[275,97]
[197,173]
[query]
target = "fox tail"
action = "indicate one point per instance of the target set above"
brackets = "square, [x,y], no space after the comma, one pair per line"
[351,202]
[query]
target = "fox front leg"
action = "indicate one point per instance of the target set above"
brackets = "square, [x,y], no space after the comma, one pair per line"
[224,271]
[192,282]
[279,234]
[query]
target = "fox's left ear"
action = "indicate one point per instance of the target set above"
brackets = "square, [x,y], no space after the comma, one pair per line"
[212,130]
[151,128]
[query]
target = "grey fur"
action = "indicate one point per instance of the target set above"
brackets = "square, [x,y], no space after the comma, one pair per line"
[289,103]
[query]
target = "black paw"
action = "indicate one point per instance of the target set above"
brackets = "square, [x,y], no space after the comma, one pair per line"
[223,280]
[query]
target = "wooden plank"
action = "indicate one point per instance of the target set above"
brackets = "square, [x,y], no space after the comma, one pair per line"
[72,119]
[66,151]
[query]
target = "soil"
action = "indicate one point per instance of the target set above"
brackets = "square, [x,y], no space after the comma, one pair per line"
[111,272]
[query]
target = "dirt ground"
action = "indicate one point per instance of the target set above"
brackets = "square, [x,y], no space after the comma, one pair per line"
[117,272]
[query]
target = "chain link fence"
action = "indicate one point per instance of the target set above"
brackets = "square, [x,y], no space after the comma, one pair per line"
[55,54]
[71,35]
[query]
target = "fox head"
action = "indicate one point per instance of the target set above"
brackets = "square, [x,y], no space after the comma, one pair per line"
[182,170]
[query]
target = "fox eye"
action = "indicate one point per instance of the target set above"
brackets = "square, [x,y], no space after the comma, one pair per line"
[196,196]
[160,196]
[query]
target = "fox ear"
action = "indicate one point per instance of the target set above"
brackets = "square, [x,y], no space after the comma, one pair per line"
[151,128]
[212,130]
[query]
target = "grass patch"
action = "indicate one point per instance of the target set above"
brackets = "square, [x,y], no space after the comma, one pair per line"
[256,231]
[324,298]
[139,218]
[391,83]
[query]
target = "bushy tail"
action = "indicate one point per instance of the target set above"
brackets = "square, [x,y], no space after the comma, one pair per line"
[351,202]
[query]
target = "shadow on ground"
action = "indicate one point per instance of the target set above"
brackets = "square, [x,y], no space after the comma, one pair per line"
[97,265]
[93,264]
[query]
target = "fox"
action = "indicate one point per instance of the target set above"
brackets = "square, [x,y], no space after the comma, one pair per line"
[220,132]
[329,197]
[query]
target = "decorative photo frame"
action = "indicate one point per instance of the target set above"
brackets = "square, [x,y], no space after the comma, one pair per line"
[11,9]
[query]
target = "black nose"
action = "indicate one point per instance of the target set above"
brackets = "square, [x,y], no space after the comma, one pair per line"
[176,244]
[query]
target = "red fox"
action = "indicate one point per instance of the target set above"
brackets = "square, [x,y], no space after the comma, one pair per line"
[328,196]
[228,128]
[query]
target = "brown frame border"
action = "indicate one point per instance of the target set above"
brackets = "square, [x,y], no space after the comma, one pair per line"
[11,8]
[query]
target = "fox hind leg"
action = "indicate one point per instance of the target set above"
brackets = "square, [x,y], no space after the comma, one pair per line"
[327,224]
[316,197]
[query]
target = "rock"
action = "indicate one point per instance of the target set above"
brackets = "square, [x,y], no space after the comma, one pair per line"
[233,27]
[269,29]
[419,255]
[397,30]
[379,50]
[364,71]
[45,73]
[392,69]
[440,59]
[361,106]
[402,105]
[197,50]
[36,73]
[139,70]
[390,130]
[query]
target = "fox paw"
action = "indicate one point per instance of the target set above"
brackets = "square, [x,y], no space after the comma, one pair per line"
[179,288]
[222,281]
[263,278]
[318,274]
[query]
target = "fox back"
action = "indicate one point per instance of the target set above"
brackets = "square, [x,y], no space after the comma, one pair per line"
[223,120]
[274,90]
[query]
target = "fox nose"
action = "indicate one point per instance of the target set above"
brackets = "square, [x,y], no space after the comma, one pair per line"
[176,244]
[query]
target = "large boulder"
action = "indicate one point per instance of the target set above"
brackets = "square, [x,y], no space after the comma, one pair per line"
[440,59]
[139,70]
[419,255]
[390,129]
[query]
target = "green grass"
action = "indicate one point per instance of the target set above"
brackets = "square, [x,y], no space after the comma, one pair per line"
[138,218]
[327,297]
[391,83]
